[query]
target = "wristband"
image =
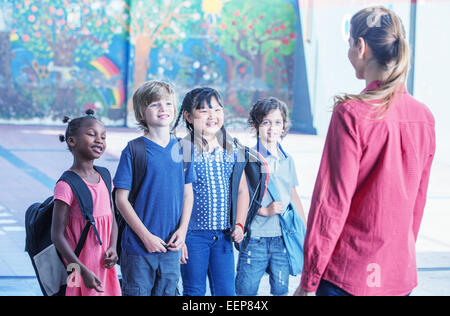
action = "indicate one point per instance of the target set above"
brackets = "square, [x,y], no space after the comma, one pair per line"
[241,226]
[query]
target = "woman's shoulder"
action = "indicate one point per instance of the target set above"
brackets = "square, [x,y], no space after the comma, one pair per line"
[419,109]
[354,111]
[351,106]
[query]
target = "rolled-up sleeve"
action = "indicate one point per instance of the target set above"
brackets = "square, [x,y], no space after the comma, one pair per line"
[335,186]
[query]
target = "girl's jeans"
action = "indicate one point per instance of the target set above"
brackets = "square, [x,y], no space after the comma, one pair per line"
[210,254]
[264,254]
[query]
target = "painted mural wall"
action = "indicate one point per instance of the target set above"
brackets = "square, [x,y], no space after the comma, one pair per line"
[60,57]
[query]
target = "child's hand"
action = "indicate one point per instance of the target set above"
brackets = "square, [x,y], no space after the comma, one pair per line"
[275,208]
[238,234]
[110,258]
[177,240]
[91,281]
[184,255]
[154,244]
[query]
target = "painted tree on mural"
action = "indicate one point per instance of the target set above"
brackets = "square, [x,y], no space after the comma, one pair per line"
[8,93]
[258,40]
[66,33]
[154,24]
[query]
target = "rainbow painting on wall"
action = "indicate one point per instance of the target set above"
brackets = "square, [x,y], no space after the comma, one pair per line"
[107,67]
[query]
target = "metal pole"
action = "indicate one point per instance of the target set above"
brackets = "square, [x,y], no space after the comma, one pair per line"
[412,44]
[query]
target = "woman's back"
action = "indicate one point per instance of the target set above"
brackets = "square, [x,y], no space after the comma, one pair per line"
[383,165]
[371,187]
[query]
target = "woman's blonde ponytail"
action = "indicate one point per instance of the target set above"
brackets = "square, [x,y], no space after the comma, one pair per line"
[386,37]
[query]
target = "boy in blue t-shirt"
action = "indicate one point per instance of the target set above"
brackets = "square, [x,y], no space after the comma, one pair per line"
[153,241]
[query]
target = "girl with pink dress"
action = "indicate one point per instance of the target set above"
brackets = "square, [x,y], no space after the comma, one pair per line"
[94,270]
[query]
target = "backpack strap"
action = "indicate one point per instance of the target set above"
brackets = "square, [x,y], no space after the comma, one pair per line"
[266,171]
[82,240]
[238,169]
[272,189]
[187,149]
[258,176]
[139,166]
[106,176]
[84,199]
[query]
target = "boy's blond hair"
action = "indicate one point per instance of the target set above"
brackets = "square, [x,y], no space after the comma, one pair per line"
[147,93]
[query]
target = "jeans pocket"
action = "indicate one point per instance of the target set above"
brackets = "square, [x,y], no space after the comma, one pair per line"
[131,291]
[255,240]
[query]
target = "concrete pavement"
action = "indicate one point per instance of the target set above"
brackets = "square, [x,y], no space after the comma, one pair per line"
[32,159]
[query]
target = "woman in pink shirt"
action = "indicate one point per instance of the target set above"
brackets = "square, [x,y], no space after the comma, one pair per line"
[370,191]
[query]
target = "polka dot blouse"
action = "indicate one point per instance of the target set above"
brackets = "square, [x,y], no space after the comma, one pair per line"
[211,210]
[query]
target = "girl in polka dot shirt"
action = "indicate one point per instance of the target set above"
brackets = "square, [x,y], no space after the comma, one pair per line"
[212,228]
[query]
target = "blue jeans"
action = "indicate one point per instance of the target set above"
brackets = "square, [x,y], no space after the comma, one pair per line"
[210,254]
[152,274]
[265,254]
[327,288]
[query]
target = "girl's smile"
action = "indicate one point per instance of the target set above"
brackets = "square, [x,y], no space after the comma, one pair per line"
[98,149]
[91,141]
[208,120]
[211,124]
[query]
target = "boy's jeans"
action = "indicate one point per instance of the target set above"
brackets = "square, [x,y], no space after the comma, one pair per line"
[264,254]
[155,274]
[210,254]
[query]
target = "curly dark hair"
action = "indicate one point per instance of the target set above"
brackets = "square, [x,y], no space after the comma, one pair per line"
[262,107]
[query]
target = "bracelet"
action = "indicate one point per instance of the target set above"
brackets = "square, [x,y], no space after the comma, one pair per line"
[241,226]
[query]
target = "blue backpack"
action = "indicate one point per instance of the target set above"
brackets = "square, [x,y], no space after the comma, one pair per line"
[293,230]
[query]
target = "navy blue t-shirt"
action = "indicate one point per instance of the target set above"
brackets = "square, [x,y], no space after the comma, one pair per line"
[159,203]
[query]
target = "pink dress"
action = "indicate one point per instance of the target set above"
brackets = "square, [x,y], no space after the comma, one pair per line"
[93,253]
